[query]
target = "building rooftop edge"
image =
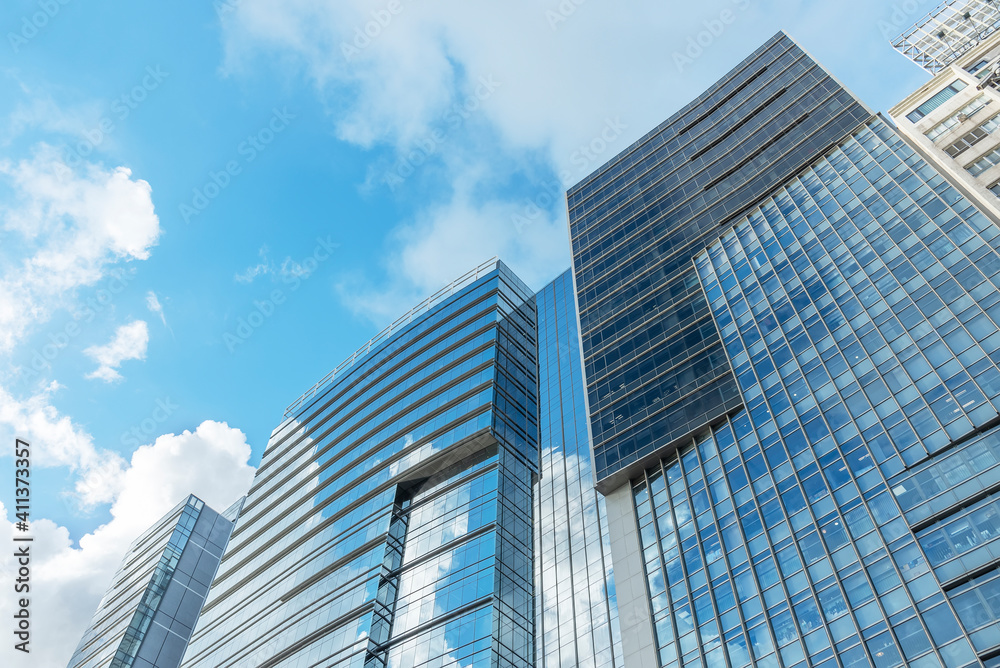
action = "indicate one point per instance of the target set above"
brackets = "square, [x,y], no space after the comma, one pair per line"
[424,306]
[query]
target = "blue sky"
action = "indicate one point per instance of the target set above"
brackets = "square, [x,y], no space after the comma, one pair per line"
[204,209]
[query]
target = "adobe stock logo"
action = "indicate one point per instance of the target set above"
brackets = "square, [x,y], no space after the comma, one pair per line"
[431,141]
[37,21]
[264,309]
[144,431]
[901,17]
[703,39]
[248,150]
[562,13]
[363,36]
[583,158]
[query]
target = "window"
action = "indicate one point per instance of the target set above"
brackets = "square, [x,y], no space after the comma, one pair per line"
[979,69]
[989,160]
[972,138]
[952,121]
[995,188]
[936,101]
[969,140]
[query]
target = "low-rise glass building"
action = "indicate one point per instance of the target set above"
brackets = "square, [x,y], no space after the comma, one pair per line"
[146,617]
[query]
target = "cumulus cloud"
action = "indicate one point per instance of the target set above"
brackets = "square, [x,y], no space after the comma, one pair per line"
[69,580]
[445,89]
[57,441]
[128,343]
[570,85]
[70,225]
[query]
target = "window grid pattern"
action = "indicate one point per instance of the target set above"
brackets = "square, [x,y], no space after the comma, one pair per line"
[796,485]
[977,603]
[972,138]
[636,223]
[991,159]
[576,612]
[953,121]
[936,100]
[946,481]
[164,571]
[161,584]
[428,445]
[975,69]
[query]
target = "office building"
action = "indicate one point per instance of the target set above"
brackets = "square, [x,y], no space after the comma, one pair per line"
[575,607]
[146,617]
[790,334]
[953,120]
[428,503]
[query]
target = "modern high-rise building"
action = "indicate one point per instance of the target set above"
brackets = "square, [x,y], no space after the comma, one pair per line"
[575,608]
[953,121]
[790,325]
[429,503]
[146,617]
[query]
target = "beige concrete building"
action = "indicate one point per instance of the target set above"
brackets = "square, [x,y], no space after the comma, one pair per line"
[954,119]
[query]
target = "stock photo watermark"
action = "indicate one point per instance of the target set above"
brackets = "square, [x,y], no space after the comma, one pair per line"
[293,274]
[32,23]
[42,357]
[562,13]
[704,39]
[247,151]
[121,108]
[22,545]
[902,17]
[141,433]
[428,145]
[363,36]
[584,158]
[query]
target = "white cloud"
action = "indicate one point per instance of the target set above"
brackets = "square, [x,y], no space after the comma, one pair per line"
[42,112]
[262,268]
[562,72]
[154,306]
[292,269]
[69,580]
[289,271]
[129,343]
[70,225]
[448,240]
[59,442]
[479,93]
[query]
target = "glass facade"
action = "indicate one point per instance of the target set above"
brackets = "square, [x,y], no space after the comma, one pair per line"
[655,365]
[846,515]
[843,507]
[576,616]
[843,307]
[390,521]
[433,505]
[146,617]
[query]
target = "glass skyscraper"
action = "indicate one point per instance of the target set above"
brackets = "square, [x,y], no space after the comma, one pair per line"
[790,335]
[411,509]
[146,617]
[755,425]
[575,609]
